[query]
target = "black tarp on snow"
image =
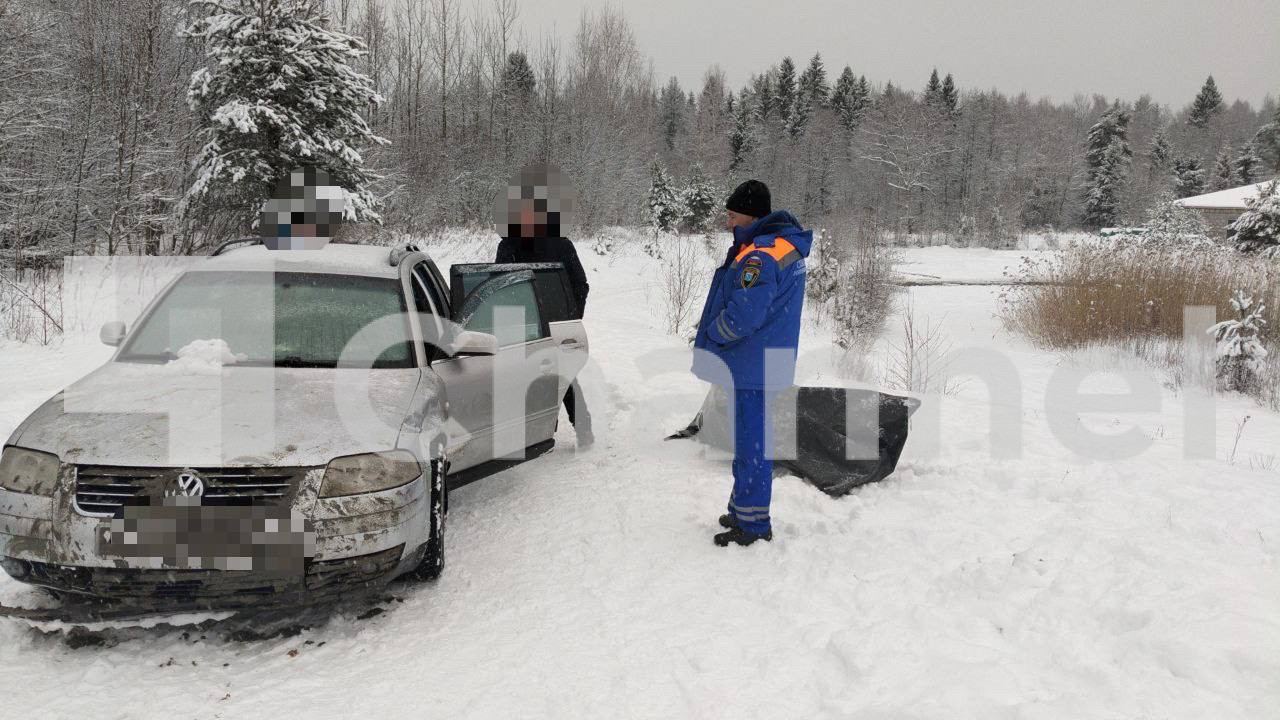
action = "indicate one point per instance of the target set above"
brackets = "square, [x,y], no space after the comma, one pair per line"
[836,438]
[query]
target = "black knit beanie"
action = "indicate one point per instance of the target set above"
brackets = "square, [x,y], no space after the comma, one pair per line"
[750,198]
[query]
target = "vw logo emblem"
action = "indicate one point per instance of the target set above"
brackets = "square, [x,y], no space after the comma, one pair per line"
[188,484]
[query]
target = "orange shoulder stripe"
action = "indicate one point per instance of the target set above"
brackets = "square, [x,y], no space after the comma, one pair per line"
[779,250]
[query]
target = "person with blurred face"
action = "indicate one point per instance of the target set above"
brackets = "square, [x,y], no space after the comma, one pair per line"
[747,343]
[537,205]
[304,212]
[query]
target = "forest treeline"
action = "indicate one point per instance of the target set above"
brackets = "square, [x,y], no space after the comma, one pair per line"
[97,139]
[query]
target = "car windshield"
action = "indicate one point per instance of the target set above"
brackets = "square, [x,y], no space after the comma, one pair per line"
[276,319]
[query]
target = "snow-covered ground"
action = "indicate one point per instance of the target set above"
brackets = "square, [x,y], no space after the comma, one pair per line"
[944,265]
[987,578]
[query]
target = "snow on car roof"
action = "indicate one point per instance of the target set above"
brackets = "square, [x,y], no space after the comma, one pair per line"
[1231,198]
[335,259]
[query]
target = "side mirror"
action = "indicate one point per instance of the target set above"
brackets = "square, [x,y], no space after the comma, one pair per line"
[475,343]
[112,333]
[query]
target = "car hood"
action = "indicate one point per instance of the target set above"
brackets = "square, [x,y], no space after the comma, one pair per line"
[167,415]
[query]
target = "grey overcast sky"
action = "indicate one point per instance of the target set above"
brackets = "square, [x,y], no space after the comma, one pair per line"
[1051,48]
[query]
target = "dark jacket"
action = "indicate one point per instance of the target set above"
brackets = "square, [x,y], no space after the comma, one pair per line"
[753,308]
[548,250]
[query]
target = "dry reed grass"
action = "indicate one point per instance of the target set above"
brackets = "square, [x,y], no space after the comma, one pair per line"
[1108,294]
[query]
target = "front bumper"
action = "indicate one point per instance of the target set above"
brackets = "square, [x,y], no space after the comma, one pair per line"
[360,542]
[322,581]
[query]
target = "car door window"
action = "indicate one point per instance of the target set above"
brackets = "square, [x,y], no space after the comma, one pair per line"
[506,310]
[550,281]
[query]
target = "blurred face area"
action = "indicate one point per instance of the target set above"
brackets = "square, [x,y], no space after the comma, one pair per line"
[737,220]
[533,217]
[537,203]
[304,211]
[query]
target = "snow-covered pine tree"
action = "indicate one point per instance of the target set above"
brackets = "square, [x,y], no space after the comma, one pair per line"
[798,117]
[671,112]
[1206,106]
[513,99]
[843,97]
[664,204]
[950,95]
[764,95]
[1107,156]
[784,94]
[1248,164]
[1257,230]
[1266,142]
[700,200]
[742,132]
[279,93]
[813,83]
[1169,225]
[1188,177]
[933,91]
[1224,171]
[1159,154]
[1275,139]
[1241,357]
[518,78]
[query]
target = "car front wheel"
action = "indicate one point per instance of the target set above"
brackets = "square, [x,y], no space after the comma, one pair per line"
[433,560]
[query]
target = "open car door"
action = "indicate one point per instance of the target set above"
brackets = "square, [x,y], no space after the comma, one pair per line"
[508,403]
[556,300]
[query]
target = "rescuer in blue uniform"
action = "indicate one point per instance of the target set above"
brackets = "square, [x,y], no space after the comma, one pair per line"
[747,342]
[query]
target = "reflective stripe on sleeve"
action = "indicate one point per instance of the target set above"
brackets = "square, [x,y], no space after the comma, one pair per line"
[723,327]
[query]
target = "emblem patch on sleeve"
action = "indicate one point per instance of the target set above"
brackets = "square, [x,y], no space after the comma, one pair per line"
[750,272]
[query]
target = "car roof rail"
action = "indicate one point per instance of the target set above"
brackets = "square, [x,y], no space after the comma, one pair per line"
[228,245]
[398,254]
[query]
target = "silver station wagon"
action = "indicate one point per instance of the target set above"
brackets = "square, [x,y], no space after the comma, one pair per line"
[285,426]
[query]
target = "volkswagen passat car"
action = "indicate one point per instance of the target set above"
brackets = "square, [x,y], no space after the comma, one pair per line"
[284,425]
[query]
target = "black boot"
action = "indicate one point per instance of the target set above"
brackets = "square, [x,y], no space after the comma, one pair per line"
[728,521]
[741,537]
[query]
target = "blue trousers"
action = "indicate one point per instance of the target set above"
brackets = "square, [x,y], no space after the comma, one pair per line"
[752,461]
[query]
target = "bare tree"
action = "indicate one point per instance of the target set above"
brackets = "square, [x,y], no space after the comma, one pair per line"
[448,41]
[908,141]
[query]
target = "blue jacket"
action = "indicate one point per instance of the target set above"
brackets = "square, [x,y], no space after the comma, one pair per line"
[754,306]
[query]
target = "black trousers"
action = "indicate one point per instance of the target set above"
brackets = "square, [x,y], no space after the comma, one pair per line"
[576,406]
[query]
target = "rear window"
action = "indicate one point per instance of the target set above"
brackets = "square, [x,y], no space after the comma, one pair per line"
[279,319]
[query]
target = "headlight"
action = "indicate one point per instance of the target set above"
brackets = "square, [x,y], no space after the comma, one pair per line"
[356,474]
[28,471]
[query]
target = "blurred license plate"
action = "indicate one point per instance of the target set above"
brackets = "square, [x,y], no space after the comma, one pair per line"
[192,537]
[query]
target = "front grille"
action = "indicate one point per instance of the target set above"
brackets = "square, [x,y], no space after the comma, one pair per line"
[102,490]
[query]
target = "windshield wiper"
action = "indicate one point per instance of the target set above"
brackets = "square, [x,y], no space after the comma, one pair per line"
[297,361]
[160,358]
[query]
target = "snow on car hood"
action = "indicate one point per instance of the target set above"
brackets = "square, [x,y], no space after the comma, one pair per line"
[180,415]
